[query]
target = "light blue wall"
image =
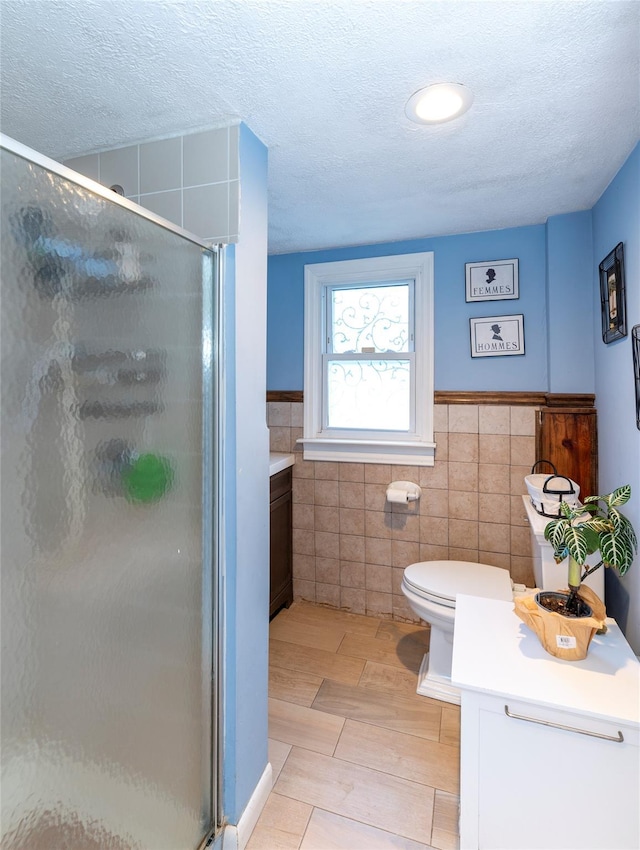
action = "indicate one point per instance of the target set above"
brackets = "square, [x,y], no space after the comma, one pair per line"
[570,304]
[616,218]
[454,368]
[246,482]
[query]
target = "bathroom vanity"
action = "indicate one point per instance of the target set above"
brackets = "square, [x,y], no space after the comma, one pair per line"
[550,749]
[280,530]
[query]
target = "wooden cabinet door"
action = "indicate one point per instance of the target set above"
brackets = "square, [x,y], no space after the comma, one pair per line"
[280,556]
[568,437]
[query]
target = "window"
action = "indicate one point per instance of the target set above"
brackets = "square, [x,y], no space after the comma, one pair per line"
[368,374]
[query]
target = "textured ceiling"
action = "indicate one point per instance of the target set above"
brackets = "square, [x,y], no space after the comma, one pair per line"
[324,83]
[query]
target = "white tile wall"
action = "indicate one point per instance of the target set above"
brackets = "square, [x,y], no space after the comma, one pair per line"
[120,167]
[160,165]
[190,180]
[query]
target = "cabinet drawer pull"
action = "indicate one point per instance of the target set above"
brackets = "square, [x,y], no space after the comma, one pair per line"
[617,739]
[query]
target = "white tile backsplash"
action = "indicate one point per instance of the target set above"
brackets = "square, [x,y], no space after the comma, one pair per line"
[206,157]
[206,210]
[161,165]
[165,204]
[190,180]
[120,167]
[87,165]
[234,152]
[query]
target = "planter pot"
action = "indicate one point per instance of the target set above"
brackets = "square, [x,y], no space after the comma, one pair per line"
[561,636]
[556,600]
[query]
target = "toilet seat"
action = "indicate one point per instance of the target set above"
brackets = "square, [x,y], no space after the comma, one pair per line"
[445,601]
[440,581]
[431,588]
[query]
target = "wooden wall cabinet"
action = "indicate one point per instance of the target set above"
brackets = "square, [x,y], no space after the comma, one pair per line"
[280,557]
[568,437]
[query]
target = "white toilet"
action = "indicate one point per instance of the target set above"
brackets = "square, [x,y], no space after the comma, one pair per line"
[431,588]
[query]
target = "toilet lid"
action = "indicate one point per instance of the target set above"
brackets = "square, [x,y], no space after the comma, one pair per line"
[441,581]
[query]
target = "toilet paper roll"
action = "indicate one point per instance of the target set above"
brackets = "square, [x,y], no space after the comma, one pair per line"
[397,496]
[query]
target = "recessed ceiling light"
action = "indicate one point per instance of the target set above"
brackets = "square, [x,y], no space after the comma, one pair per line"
[438,103]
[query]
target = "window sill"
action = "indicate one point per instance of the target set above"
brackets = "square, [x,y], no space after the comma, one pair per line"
[402,452]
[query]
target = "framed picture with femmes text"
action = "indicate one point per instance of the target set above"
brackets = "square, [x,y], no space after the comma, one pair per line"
[492,281]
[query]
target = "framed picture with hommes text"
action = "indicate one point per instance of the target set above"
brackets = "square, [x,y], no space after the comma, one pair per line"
[492,281]
[497,336]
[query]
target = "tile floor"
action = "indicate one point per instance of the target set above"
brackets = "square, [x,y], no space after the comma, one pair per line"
[360,761]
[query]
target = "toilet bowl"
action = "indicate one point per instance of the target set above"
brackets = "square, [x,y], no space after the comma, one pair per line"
[431,588]
[547,574]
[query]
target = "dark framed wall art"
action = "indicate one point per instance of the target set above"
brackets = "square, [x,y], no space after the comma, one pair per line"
[635,345]
[613,295]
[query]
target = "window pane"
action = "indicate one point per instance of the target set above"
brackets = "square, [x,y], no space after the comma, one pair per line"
[373,394]
[372,317]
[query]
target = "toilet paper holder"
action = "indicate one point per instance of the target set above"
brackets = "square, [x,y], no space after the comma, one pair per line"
[403,492]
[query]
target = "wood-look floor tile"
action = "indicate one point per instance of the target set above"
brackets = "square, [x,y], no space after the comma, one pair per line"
[392,630]
[292,685]
[393,779]
[404,653]
[380,709]
[307,612]
[393,680]
[416,759]
[450,725]
[278,752]
[316,662]
[446,810]
[387,802]
[322,636]
[304,727]
[327,831]
[281,824]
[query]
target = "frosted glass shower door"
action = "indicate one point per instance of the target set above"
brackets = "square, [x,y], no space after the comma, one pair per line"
[107,535]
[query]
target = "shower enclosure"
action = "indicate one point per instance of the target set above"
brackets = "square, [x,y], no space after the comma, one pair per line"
[108,519]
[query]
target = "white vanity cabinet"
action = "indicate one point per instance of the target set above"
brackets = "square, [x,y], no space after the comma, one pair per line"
[542,766]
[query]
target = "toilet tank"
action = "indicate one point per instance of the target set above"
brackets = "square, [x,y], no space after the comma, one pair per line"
[549,575]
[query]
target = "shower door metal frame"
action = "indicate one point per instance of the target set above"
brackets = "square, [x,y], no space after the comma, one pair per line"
[212,419]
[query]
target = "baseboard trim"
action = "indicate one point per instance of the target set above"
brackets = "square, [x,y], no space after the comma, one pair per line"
[237,837]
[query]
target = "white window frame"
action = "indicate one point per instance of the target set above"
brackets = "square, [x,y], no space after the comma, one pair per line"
[414,447]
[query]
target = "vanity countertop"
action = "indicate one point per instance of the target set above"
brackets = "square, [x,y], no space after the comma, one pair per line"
[279,461]
[494,652]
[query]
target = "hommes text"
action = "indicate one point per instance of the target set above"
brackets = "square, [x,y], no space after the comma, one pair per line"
[497,346]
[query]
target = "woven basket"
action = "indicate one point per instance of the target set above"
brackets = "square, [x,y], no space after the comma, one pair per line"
[548,491]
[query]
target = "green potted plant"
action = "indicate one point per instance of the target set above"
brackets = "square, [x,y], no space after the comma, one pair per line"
[597,525]
[565,622]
